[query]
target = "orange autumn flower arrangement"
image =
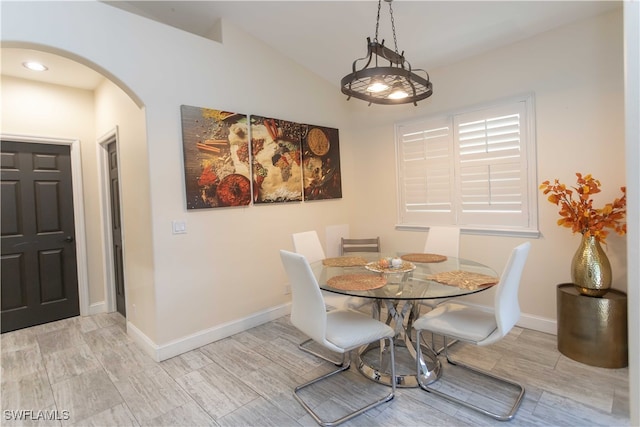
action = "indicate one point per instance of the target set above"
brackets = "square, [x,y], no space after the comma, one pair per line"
[579,214]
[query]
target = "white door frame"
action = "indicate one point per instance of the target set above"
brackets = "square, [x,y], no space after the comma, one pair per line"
[78,208]
[105,214]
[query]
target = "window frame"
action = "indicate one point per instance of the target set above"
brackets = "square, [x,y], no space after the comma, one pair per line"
[422,220]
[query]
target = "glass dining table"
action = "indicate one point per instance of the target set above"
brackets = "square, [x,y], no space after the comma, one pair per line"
[395,284]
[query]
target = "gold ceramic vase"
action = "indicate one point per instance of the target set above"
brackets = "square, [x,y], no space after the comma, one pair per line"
[590,268]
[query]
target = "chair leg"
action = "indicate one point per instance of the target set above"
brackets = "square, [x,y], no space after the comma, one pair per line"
[345,365]
[302,347]
[500,417]
[433,344]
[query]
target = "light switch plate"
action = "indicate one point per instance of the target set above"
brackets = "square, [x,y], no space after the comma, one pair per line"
[179,227]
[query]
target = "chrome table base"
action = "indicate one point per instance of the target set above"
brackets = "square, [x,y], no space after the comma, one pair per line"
[430,368]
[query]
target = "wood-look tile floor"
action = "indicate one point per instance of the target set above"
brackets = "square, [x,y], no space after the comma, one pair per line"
[89,369]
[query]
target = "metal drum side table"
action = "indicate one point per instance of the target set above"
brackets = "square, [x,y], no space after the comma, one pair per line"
[593,330]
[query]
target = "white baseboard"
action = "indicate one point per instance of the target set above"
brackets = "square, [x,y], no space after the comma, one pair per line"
[537,323]
[97,308]
[147,345]
[207,336]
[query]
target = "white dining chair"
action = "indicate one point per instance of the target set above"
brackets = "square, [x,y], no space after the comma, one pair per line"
[340,331]
[371,244]
[479,327]
[441,240]
[307,243]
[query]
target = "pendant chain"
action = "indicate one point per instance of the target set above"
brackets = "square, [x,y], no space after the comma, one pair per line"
[378,21]
[393,24]
[393,29]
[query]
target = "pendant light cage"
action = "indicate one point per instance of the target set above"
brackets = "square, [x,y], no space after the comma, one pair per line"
[395,83]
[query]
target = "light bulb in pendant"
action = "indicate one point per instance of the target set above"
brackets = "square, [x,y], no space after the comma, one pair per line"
[377,85]
[397,91]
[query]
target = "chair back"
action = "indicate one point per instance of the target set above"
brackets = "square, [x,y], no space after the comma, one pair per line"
[308,244]
[443,241]
[308,312]
[332,236]
[507,307]
[360,245]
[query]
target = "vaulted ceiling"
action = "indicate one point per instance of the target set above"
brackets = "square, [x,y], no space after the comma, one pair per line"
[327,36]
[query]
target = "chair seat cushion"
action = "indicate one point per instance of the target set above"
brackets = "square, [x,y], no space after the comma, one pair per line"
[458,321]
[349,329]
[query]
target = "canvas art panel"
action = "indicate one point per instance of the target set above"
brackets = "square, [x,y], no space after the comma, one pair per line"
[216,158]
[321,163]
[276,160]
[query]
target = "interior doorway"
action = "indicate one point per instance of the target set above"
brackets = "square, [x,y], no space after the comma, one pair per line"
[116,290]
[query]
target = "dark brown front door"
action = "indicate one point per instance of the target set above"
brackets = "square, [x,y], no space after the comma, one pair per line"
[116,228]
[38,259]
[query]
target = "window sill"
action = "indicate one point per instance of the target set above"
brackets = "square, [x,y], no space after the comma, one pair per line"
[532,234]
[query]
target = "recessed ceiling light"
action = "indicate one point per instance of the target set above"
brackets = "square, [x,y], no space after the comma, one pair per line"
[34,66]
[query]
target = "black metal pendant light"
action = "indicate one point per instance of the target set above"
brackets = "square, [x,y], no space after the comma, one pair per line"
[395,83]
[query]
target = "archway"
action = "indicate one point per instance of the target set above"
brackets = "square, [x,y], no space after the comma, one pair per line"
[74,86]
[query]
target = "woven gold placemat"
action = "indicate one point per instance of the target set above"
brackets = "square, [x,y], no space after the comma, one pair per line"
[345,261]
[424,257]
[464,279]
[357,282]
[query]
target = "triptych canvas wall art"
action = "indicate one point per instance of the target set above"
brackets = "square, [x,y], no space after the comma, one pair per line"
[233,159]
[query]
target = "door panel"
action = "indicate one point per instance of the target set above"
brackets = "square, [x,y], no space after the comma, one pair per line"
[51,274]
[13,297]
[38,259]
[10,202]
[47,197]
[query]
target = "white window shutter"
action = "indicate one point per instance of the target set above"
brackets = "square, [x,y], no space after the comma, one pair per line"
[473,169]
[491,167]
[425,166]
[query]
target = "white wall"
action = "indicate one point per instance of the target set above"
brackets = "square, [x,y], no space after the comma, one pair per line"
[576,75]
[227,265]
